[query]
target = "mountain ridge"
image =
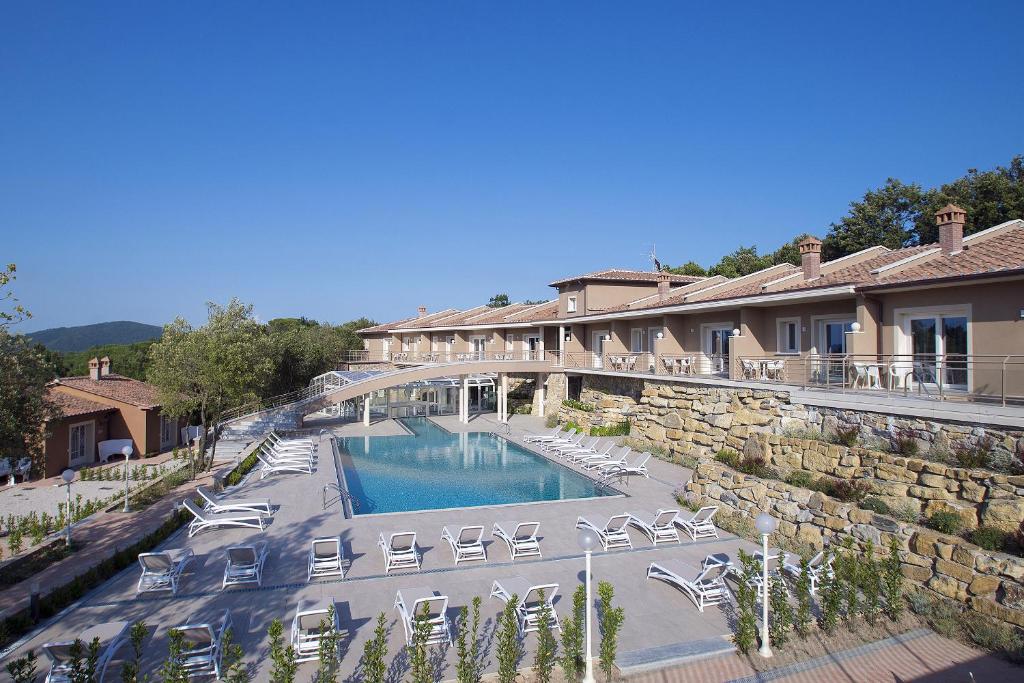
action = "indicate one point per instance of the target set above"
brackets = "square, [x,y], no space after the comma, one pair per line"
[84,337]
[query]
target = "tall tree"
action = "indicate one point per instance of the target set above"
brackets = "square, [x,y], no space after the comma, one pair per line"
[885,216]
[24,406]
[743,261]
[499,300]
[11,311]
[988,197]
[688,268]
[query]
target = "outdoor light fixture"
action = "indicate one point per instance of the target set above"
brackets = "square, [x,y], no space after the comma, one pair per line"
[765,525]
[736,332]
[68,476]
[127,453]
[855,327]
[660,335]
[588,541]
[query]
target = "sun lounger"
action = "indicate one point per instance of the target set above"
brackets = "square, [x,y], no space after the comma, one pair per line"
[581,457]
[467,544]
[215,504]
[213,520]
[529,603]
[245,564]
[586,445]
[706,587]
[410,603]
[275,466]
[542,437]
[308,627]
[574,441]
[287,456]
[562,435]
[400,551]
[699,525]
[776,561]
[638,466]
[325,558]
[598,463]
[279,440]
[204,644]
[521,541]
[111,636]
[658,526]
[817,568]
[161,571]
[613,534]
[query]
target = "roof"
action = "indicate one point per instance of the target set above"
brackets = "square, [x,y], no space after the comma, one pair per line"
[622,275]
[384,327]
[70,405]
[116,388]
[543,311]
[988,254]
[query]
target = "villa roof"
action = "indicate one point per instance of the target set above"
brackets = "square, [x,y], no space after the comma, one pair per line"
[622,275]
[543,311]
[70,405]
[419,320]
[114,387]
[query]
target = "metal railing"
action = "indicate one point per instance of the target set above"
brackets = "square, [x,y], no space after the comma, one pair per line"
[647,363]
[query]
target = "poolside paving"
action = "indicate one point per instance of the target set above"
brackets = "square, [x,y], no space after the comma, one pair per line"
[660,621]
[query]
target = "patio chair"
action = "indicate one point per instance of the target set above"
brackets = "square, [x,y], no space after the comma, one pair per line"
[204,644]
[775,369]
[325,558]
[528,601]
[613,534]
[699,525]
[638,466]
[215,504]
[658,526]
[214,520]
[245,564]
[560,435]
[529,436]
[686,365]
[276,466]
[110,636]
[817,568]
[522,541]
[572,442]
[283,441]
[467,544]
[307,627]
[598,463]
[305,455]
[585,445]
[581,457]
[419,603]
[400,551]
[707,587]
[161,571]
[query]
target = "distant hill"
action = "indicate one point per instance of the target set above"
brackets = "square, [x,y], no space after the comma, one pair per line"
[83,337]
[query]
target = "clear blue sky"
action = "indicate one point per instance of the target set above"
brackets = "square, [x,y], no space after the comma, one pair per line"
[336,159]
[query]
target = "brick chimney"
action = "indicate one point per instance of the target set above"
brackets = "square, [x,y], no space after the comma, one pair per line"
[663,280]
[810,257]
[104,366]
[94,368]
[421,311]
[951,219]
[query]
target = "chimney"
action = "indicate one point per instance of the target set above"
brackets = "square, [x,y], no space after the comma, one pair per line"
[951,219]
[421,311]
[662,286]
[94,368]
[104,366]
[810,257]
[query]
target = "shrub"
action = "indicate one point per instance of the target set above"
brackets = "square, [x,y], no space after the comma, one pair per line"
[746,603]
[803,616]
[876,505]
[729,457]
[469,667]
[756,467]
[801,479]
[945,522]
[375,652]
[905,444]
[905,512]
[545,657]
[830,596]
[610,622]
[991,538]
[510,648]
[994,636]
[578,405]
[846,436]
[848,491]
[572,636]
[782,621]
[892,580]
[617,429]
[551,421]
[974,456]
[421,667]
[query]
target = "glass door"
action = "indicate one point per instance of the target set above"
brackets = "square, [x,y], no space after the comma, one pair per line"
[80,446]
[717,348]
[534,347]
[939,348]
[598,347]
[479,347]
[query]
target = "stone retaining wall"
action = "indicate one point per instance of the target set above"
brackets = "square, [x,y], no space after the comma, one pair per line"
[988,582]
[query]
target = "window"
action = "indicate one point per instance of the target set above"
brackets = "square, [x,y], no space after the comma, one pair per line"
[788,339]
[637,340]
[167,428]
[571,305]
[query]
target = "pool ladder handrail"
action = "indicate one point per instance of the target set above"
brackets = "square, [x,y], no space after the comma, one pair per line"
[343,495]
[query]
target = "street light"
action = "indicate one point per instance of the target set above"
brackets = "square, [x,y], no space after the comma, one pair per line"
[588,541]
[765,525]
[68,476]
[127,453]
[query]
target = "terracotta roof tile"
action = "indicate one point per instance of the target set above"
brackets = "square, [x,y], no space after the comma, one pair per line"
[115,387]
[621,275]
[1004,251]
[70,406]
[545,311]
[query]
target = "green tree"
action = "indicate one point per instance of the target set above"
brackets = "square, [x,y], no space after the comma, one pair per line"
[689,268]
[282,656]
[499,301]
[11,312]
[830,593]
[208,370]
[782,614]
[743,261]
[136,637]
[988,197]
[804,617]
[469,668]
[25,405]
[375,652]
[892,581]
[870,583]
[421,668]
[884,216]
[746,600]
[610,623]
[130,360]
[327,654]
[572,636]
[173,669]
[23,669]
[850,569]
[547,646]
[233,669]
[510,648]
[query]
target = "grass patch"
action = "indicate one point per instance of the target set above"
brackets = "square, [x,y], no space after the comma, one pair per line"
[945,522]
[617,429]
[578,405]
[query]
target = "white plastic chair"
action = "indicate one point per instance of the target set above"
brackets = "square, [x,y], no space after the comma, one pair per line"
[325,558]
[400,551]
[467,544]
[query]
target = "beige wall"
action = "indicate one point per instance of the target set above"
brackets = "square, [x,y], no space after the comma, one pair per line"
[595,297]
[55,449]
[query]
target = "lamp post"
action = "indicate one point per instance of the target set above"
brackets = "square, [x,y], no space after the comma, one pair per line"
[127,453]
[68,476]
[765,525]
[588,541]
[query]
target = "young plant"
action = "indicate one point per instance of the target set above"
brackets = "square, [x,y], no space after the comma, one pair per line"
[830,595]
[803,619]
[870,583]
[782,614]
[327,653]
[572,636]
[283,656]
[421,668]
[375,651]
[469,667]
[547,646]
[746,603]
[173,669]
[23,669]
[510,648]
[233,669]
[851,580]
[136,637]
[610,622]
[892,581]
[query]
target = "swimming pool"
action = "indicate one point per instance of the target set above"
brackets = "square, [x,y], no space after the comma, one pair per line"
[435,469]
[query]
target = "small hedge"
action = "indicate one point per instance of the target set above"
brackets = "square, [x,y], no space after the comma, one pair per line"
[243,468]
[619,429]
[578,405]
[945,522]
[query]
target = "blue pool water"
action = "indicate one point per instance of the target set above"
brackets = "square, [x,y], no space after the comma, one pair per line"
[437,469]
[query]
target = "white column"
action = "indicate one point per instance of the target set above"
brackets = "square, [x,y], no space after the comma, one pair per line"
[541,378]
[504,397]
[366,410]
[464,400]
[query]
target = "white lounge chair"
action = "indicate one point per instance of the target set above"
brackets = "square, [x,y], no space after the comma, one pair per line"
[325,558]
[280,440]
[161,571]
[467,544]
[204,644]
[707,587]
[617,459]
[276,466]
[410,603]
[522,541]
[307,627]
[817,568]
[542,437]
[586,445]
[613,534]
[245,564]
[593,454]
[400,551]
[111,636]
[699,525]
[658,526]
[561,435]
[776,560]
[287,456]
[575,440]
[638,466]
[216,504]
[528,601]
[213,520]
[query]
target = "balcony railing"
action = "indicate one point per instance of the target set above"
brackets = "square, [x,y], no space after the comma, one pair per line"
[689,365]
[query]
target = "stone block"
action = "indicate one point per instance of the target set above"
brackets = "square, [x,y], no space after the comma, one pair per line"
[983,585]
[954,569]
[934,480]
[1005,514]
[916,574]
[859,516]
[924,543]
[948,587]
[809,534]
[970,491]
[866,532]
[991,608]
[928,493]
